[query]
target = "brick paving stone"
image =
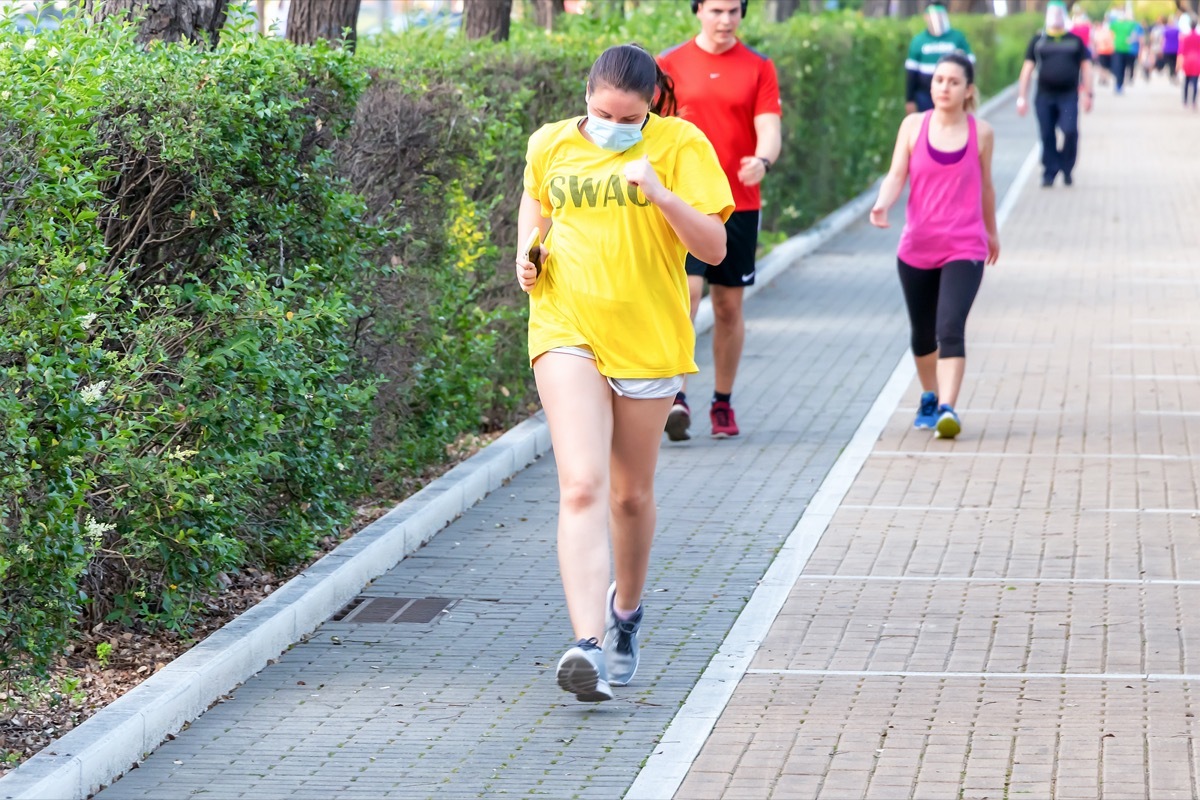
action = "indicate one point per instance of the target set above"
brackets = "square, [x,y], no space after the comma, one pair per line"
[1054,538]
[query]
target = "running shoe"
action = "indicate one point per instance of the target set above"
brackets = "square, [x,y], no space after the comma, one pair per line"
[620,642]
[723,423]
[679,420]
[927,412]
[581,671]
[948,425]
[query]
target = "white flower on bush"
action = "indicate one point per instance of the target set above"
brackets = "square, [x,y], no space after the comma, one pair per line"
[182,455]
[30,44]
[52,52]
[94,531]
[86,320]
[93,393]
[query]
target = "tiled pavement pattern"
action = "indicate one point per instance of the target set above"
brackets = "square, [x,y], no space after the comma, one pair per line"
[467,706]
[1014,614]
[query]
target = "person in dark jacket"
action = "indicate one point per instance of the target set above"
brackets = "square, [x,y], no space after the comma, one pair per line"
[1064,74]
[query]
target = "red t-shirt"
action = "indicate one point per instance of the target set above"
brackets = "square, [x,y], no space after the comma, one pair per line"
[1189,53]
[722,94]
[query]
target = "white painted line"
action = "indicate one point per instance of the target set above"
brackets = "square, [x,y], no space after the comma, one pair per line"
[681,743]
[1013,510]
[989,454]
[921,509]
[1015,346]
[1190,511]
[899,673]
[1160,321]
[668,765]
[1148,377]
[806,577]
[1169,413]
[1134,346]
[1007,411]
[1166,281]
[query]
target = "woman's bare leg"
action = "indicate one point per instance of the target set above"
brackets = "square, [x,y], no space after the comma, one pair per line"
[579,409]
[949,379]
[927,373]
[637,434]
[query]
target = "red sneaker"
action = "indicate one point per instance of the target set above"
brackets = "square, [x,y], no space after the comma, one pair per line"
[723,423]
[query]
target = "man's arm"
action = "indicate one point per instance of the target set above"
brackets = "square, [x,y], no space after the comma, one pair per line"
[1023,87]
[769,132]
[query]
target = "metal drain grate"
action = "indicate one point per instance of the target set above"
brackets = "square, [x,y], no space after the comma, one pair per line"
[392,610]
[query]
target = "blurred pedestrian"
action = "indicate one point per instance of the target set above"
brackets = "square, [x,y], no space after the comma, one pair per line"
[1171,48]
[1064,74]
[1102,47]
[938,39]
[1125,47]
[1189,60]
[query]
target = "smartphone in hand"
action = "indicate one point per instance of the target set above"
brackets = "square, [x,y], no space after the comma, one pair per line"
[533,249]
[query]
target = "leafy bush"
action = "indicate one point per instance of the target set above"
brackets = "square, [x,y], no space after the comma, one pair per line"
[176,266]
[445,331]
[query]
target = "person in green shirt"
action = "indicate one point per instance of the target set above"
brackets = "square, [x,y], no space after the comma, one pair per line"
[938,39]
[1126,34]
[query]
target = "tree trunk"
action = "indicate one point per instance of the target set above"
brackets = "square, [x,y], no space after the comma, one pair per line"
[780,10]
[545,12]
[875,8]
[166,20]
[310,20]
[905,8]
[487,18]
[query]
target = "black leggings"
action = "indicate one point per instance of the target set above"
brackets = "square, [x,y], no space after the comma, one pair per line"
[938,303]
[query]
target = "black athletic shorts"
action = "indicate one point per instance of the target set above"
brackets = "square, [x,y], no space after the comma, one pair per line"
[741,244]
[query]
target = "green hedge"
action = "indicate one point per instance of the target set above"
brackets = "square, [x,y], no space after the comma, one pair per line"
[176,265]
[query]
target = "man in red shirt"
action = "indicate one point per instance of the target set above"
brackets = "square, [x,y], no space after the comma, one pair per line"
[731,93]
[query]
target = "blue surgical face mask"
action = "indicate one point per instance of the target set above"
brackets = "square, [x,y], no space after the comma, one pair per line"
[615,136]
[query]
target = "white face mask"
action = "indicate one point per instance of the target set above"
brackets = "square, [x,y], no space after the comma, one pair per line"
[615,136]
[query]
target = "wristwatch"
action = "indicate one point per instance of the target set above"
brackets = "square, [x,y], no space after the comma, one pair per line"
[766,163]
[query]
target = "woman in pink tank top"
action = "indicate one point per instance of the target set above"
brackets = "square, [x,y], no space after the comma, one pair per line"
[945,155]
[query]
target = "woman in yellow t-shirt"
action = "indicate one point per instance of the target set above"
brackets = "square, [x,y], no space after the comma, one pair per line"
[619,197]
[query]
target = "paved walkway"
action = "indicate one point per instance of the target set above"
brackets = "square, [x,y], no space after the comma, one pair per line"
[999,616]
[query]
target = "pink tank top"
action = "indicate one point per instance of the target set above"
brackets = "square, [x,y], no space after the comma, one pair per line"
[944,221]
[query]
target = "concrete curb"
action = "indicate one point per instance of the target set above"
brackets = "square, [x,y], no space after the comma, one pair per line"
[116,738]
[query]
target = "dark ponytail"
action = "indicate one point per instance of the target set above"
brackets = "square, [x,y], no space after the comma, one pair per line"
[631,68]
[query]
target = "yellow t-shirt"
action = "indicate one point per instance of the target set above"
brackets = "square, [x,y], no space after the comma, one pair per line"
[614,278]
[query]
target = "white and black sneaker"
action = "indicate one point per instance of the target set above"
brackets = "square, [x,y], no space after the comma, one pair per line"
[582,672]
[620,642]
